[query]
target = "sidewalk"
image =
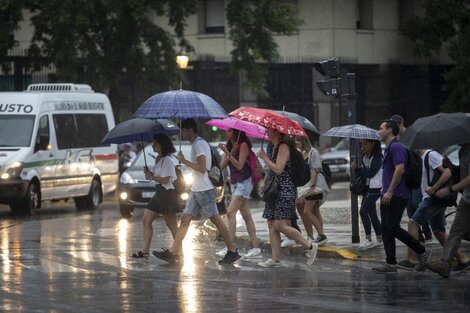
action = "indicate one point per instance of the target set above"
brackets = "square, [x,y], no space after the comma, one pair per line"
[339,243]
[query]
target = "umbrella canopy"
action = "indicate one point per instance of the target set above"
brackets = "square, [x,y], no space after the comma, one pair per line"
[356,131]
[269,119]
[438,131]
[303,121]
[252,130]
[139,129]
[180,104]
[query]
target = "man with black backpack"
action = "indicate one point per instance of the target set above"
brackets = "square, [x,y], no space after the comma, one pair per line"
[395,195]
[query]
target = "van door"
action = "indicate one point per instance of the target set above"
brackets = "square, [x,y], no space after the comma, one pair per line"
[44,160]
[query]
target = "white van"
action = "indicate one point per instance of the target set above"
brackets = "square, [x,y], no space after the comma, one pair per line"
[50,146]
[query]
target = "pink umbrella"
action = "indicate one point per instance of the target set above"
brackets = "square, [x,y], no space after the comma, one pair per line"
[252,130]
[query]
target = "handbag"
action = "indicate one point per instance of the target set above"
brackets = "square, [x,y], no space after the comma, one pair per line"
[270,190]
[359,185]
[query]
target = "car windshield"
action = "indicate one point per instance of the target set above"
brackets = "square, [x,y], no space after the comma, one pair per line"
[343,144]
[16,130]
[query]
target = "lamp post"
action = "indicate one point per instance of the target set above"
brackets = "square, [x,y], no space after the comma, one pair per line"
[182,60]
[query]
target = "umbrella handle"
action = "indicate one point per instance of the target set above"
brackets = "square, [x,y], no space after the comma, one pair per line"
[143,147]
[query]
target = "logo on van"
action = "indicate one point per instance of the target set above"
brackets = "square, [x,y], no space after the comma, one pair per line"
[72,106]
[15,108]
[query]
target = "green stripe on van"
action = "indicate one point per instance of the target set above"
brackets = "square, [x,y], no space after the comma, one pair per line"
[44,163]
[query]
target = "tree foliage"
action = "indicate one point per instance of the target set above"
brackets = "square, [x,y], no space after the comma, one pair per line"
[10,16]
[446,23]
[115,45]
[252,25]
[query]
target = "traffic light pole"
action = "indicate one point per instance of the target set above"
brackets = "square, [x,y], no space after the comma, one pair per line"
[351,79]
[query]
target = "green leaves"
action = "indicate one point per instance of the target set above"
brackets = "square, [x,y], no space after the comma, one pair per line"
[446,23]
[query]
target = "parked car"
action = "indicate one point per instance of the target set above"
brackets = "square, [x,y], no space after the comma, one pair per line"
[338,160]
[135,191]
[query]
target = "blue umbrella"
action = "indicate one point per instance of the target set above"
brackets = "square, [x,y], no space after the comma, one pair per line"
[139,129]
[356,131]
[180,104]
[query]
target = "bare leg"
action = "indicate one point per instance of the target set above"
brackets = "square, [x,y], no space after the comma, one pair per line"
[235,204]
[170,221]
[250,224]
[312,211]
[283,226]
[275,240]
[147,220]
[305,220]
[223,230]
[181,233]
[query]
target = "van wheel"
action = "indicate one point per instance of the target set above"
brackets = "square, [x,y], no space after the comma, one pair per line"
[29,203]
[92,200]
[126,210]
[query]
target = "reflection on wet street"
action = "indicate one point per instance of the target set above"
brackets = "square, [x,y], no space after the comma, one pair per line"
[61,260]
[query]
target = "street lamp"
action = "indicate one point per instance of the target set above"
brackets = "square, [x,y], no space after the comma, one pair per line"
[182,60]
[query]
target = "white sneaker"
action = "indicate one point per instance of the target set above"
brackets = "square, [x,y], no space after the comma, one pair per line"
[222,252]
[367,244]
[253,253]
[287,242]
[311,254]
[270,263]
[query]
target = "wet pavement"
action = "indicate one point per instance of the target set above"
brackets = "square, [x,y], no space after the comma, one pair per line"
[61,260]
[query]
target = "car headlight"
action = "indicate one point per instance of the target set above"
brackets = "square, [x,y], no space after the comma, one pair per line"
[188,179]
[127,179]
[12,170]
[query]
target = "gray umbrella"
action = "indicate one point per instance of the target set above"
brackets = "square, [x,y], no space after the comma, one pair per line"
[438,131]
[356,131]
[303,121]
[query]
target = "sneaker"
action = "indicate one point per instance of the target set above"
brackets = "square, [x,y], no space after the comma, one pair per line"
[253,253]
[462,266]
[422,258]
[270,263]
[230,257]
[165,255]
[311,254]
[321,240]
[439,266]
[367,244]
[406,264]
[222,252]
[385,268]
[287,242]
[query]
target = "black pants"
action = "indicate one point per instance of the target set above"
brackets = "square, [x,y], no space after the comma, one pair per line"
[391,216]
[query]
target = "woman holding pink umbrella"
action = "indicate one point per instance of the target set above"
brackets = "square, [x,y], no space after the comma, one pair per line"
[237,151]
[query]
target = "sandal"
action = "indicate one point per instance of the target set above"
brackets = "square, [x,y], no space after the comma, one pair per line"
[140,255]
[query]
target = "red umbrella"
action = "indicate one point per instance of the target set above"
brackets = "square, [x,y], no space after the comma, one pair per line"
[269,119]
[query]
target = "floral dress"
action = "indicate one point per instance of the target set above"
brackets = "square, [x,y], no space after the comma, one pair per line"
[283,208]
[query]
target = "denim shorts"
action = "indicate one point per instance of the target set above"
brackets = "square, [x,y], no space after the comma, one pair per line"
[428,210]
[242,189]
[202,203]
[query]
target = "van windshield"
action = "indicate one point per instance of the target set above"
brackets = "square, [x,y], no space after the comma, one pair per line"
[16,130]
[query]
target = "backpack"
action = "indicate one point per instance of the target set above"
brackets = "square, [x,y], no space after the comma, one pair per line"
[325,170]
[215,172]
[299,171]
[255,166]
[451,198]
[414,171]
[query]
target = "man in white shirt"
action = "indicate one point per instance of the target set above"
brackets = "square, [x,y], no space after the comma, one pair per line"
[202,198]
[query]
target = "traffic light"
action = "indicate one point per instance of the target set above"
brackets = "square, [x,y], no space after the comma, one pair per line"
[214,128]
[331,85]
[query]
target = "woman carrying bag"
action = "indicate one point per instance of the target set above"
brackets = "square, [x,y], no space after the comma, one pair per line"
[370,171]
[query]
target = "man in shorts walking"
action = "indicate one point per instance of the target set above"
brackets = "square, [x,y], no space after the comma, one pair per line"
[201,199]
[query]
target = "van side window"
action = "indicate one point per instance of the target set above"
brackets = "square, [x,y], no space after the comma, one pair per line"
[43,136]
[80,130]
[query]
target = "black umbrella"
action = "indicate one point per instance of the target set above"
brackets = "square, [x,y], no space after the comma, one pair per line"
[303,121]
[139,129]
[438,131]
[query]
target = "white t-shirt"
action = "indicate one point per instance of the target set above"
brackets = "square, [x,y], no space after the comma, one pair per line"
[165,168]
[201,181]
[434,160]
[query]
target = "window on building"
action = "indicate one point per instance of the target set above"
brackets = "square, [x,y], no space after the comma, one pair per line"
[365,14]
[214,16]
